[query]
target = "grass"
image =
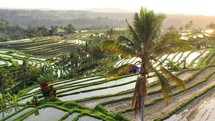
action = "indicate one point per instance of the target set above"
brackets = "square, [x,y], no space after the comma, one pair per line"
[172,111]
[86,85]
[202,60]
[61,95]
[193,61]
[70,106]
[176,93]
[211,56]
[24,93]
[184,103]
[123,92]
[174,57]
[153,92]
[186,57]
[15,113]
[180,57]
[99,111]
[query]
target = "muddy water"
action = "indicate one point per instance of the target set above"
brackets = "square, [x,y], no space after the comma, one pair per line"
[9,111]
[57,84]
[107,84]
[72,116]
[192,56]
[46,114]
[19,114]
[201,109]
[100,92]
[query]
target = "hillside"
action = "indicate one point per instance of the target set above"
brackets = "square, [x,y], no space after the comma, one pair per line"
[91,18]
[80,19]
[10,31]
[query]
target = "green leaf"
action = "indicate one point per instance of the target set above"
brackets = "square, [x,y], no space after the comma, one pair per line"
[173,78]
[165,86]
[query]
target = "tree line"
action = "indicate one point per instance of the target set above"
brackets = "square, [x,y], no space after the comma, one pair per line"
[9,31]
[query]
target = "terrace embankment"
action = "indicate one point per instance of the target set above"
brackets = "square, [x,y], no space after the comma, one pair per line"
[194,86]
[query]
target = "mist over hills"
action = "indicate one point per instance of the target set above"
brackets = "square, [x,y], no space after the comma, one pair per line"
[109,10]
[92,18]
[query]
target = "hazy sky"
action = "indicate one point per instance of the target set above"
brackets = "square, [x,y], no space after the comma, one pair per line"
[199,7]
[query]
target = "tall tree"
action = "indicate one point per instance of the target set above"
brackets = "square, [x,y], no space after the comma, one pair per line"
[70,29]
[22,72]
[146,45]
[191,23]
[211,26]
[172,29]
[53,30]
[6,80]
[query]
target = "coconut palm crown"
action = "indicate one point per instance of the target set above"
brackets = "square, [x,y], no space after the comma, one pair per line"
[146,44]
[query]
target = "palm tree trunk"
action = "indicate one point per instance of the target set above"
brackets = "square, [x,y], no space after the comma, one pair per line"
[2,86]
[143,73]
[24,83]
[142,110]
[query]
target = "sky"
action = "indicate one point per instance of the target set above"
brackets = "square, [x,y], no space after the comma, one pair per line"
[197,7]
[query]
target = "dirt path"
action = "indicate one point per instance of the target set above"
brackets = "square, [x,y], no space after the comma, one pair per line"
[92,103]
[126,104]
[202,108]
[160,108]
[182,76]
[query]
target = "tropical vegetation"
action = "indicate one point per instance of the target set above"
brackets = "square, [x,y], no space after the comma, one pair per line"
[148,45]
[98,73]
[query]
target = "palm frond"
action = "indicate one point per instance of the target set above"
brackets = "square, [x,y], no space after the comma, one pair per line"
[165,86]
[119,71]
[170,44]
[139,25]
[118,48]
[132,31]
[109,45]
[129,43]
[173,78]
[157,22]
[146,27]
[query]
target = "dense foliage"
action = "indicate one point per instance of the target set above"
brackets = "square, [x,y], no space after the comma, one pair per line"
[9,31]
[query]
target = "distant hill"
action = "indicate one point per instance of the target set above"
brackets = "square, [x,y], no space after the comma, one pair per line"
[109,10]
[80,19]
[86,19]
[180,20]
[10,31]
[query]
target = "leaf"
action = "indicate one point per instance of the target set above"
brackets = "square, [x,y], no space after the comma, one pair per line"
[119,47]
[173,78]
[120,70]
[165,86]
[170,44]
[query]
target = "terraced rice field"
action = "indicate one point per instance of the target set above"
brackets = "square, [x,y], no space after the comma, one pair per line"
[45,46]
[97,98]
[10,56]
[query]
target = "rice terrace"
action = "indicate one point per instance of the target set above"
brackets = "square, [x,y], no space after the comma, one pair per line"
[106,64]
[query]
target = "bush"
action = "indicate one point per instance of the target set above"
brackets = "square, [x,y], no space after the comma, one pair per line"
[101,109]
[71,105]
[119,116]
[29,103]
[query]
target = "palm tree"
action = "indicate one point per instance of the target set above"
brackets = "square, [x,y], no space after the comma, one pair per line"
[190,24]
[146,45]
[110,33]
[6,80]
[62,62]
[24,70]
